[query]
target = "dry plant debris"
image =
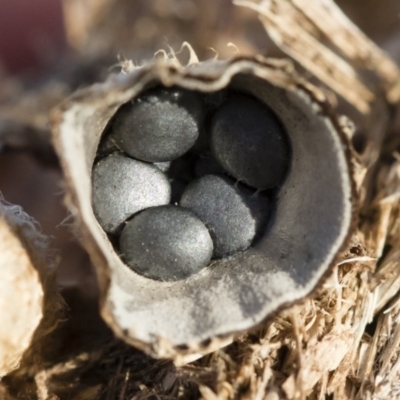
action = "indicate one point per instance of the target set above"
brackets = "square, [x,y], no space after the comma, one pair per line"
[343,341]
[174,318]
[22,293]
[29,303]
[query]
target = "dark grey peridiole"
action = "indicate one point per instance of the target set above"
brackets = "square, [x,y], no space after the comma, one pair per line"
[219,216]
[160,125]
[249,142]
[123,186]
[233,214]
[166,243]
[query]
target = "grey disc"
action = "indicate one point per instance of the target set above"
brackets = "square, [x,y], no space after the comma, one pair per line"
[249,142]
[122,186]
[166,243]
[234,215]
[160,125]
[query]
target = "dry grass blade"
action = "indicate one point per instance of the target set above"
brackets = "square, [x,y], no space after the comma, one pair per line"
[291,30]
[352,42]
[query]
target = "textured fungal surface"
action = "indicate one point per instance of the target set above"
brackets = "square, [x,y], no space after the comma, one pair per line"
[233,213]
[123,186]
[167,243]
[249,142]
[272,242]
[160,125]
[241,140]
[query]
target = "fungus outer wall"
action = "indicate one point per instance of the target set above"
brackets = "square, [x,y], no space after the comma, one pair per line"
[312,220]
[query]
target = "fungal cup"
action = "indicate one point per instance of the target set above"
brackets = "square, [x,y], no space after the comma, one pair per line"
[310,225]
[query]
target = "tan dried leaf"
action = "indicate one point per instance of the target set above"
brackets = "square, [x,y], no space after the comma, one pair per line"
[21,291]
